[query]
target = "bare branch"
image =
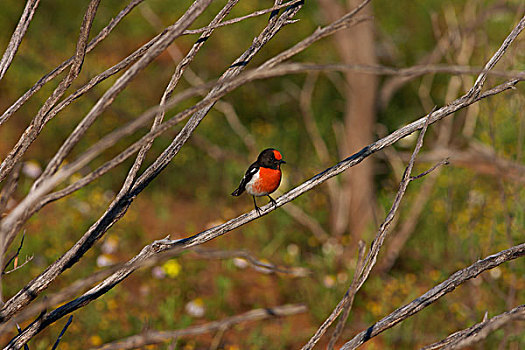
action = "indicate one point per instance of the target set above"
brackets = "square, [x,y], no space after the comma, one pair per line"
[364,271]
[242,18]
[234,70]
[179,70]
[116,210]
[37,123]
[55,72]
[478,85]
[435,293]
[57,298]
[114,213]
[426,172]
[256,263]
[187,18]
[62,332]
[478,331]
[348,299]
[18,35]
[156,337]
[173,32]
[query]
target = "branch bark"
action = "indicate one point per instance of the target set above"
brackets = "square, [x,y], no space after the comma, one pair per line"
[156,337]
[434,294]
[18,35]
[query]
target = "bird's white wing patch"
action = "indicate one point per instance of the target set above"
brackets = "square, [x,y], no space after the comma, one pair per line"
[254,173]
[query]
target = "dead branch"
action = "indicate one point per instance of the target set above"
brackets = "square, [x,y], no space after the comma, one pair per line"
[251,260]
[364,271]
[18,35]
[242,18]
[37,123]
[179,70]
[349,296]
[55,72]
[69,320]
[478,331]
[434,294]
[189,16]
[156,337]
[119,207]
[41,282]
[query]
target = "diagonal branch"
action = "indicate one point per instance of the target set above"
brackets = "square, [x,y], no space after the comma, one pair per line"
[363,271]
[117,209]
[34,129]
[113,214]
[18,35]
[55,72]
[179,70]
[102,104]
[156,337]
[72,255]
[435,293]
[478,331]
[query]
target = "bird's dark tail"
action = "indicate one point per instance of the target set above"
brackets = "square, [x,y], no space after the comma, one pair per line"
[238,191]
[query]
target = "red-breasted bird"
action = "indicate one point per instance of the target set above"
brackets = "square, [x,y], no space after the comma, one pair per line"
[262,177]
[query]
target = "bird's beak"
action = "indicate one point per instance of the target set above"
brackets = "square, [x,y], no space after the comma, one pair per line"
[282,162]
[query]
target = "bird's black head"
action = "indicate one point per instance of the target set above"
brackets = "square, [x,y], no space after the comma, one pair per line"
[270,158]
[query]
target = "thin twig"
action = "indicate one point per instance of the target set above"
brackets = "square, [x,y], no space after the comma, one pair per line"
[156,337]
[242,18]
[442,162]
[16,254]
[70,319]
[256,263]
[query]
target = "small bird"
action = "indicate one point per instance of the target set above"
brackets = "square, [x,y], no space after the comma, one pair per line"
[262,177]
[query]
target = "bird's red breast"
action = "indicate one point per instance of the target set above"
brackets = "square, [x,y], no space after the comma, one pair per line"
[267,182]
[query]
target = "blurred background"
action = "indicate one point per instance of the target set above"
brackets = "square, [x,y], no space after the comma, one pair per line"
[450,218]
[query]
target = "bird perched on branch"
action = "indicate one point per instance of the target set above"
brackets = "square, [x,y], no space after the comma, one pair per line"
[262,177]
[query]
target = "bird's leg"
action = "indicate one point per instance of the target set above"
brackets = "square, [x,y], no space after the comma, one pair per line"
[256,207]
[272,200]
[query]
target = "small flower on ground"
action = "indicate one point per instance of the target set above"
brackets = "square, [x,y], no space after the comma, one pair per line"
[158,272]
[109,246]
[32,169]
[105,260]
[240,263]
[171,268]
[195,307]
[329,281]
